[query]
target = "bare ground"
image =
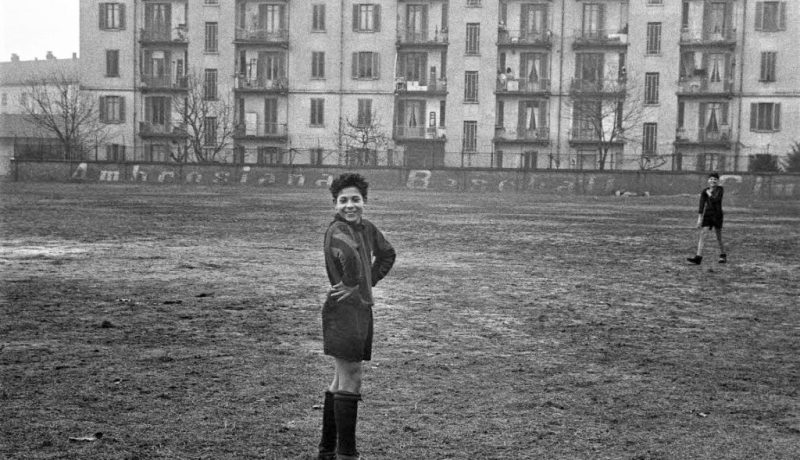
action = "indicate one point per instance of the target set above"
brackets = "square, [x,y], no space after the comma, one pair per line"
[184,323]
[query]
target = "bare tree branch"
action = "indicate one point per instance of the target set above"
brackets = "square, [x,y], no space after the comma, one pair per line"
[207,122]
[363,138]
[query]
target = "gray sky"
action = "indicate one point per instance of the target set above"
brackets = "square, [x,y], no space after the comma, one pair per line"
[31,28]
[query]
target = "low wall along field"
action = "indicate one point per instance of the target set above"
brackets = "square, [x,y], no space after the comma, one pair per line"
[571,182]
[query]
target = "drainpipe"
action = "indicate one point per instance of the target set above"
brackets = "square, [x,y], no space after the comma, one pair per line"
[134,72]
[560,87]
[738,146]
[341,74]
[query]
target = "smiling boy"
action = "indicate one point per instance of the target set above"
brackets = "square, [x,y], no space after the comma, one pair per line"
[357,256]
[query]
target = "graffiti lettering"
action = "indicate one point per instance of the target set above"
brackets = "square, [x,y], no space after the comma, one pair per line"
[267,179]
[419,179]
[502,185]
[80,171]
[326,181]
[162,177]
[301,179]
[109,176]
[221,177]
[245,171]
[194,177]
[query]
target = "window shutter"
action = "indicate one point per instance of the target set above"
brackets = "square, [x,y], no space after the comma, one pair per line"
[122,110]
[121,152]
[602,18]
[425,20]
[723,117]
[759,15]
[753,116]
[521,117]
[376,66]
[782,17]
[355,65]
[523,20]
[121,15]
[701,116]
[108,151]
[148,110]
[102,109]
[102,16]
[282,17]
[776,112]
[355,18]
[377,18]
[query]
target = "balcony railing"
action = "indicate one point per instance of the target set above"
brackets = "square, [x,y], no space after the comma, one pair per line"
[164,82]
[419,132]
[178,34]
[700,36]
[704,85]
[523,37]
[584,134]
[601,36]
[524,85]
[416,37]
[523,134]
[261,84]
[406,86]
[721,134]
[607,85]
[261,130]
[256,35]
[147,128]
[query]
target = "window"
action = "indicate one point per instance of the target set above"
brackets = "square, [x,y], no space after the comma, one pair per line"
[655,2]
[442,106]
[366,65]
[157,110]
[470,86]
[649,139]
[317,156]
[115,152]
[470,142]
[364,112]
[685,16]
[318,19]
[653,38]
[269,155]
[211,37]
[366,17]
[318,64]
[770,16]
[112,16]
[317,112]
[768,59]
[210,130]
[473,38]
[593,20]
[651,88]
[210,85]
[211,2]
[765,116]
[112,63]
[112,109]
[473,3]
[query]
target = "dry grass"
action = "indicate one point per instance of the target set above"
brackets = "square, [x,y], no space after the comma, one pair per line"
[184,323]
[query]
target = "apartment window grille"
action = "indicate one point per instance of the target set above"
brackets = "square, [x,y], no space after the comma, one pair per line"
[364,112]
[210,85]
[768,60]
[112,63]
[765,116]
[318,18]
[112,109]
[470,86]
[470,140]
[210,130]
[651,88]
[366,17]
[366,65]
[112,16]
[474,3]
[653,38]
[318,64]
[317,112]
[473,38]
[212,37]
[770,16]
[649,138]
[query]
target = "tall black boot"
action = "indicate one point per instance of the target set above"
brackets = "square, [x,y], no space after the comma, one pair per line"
[327,446]
[346,412]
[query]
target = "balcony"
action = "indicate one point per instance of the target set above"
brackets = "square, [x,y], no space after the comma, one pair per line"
[432,133]
[590,136]
[720,137]
[699,37]
[704,87]
[524,38]
[149,129]
[415,87]
[164,35]
[603,87]
[256,36]
[523,86]
[539,135]
[261,85]
[261,131]
[164,83]
[611,38]
[436,38]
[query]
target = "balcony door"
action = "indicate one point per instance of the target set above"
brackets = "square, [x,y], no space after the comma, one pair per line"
[716,18]
[589,69]
[270,67]
[533,21]
[271,115]
[158,20]
[413,67]
[532,69]
[416,23]
[532,118]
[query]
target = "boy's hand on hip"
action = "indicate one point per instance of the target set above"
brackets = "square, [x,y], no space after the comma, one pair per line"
[340,292]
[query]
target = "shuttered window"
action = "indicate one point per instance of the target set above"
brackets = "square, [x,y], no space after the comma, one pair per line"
[366,17]
[770,16]
[651,88]
[112,109]
[317,112]
[470,86]
[470,140]
[318,19]
[768,60]
[112,16]
[765,116]
[473,38]
[366,65]
[653,38]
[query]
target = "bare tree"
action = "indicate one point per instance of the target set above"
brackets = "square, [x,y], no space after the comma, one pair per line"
[606,113]
[363,138]
[56,104]
[206,120]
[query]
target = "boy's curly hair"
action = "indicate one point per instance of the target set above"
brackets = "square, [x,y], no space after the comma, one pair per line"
[349,180]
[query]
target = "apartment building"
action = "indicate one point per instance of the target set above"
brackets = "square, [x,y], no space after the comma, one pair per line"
[584,84]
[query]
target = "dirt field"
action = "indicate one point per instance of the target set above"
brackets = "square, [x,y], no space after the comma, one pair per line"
[184,323]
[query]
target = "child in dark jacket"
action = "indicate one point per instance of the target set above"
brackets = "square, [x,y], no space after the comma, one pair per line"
[357,256]
[710,217]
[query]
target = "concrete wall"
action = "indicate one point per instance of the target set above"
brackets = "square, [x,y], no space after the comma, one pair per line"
[466,180]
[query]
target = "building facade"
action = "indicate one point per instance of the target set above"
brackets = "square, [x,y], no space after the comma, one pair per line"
[568,84]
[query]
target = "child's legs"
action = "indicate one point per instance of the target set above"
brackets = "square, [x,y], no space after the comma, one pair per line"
[348,376]
[718,231]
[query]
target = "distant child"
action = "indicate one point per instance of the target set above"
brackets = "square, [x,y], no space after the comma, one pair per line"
[357,256]
[710,218]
